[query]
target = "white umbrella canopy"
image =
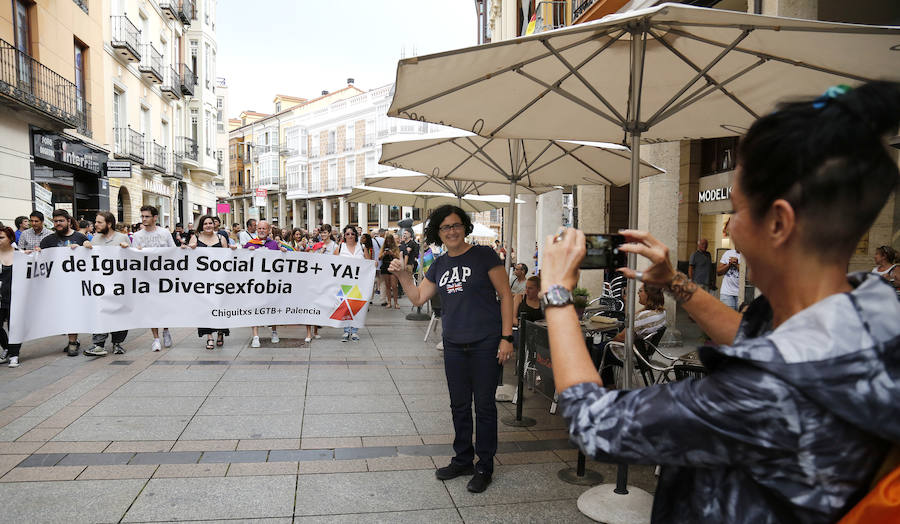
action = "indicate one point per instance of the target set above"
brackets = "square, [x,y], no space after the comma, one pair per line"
[701,73]
[529,163]
[478,230]
[421,182]
[426,201]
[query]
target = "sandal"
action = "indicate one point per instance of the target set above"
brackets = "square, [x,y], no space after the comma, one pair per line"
[210,344]
[220,340]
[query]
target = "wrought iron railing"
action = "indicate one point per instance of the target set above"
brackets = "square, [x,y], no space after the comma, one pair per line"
[188,80]
[579,7]
[36,86]
[155,156]
[370,140]
[550,15]
[172,82]
[186,11]
[125,34]
[82,4]
[151,61]
[128,143]
[84,117]
[187,146]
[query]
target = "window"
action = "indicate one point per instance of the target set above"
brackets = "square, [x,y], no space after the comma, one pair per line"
[332,176]
[393,213]
[292,140]
[350,138]
[277,107]
[315,185]
[370,164]
[80,54]
[209,134]
[304,139]
[195,119]
[293,176]
[717,155]
[195,62]
[20,23]
[332,140]
[118,108]
[303,176]
[350,173]
[207,70]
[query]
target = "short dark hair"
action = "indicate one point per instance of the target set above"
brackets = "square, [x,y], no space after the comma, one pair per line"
[432,232]
[37,214]
[152,209]
[536,279]
[179,224]
[889,253]
[216,219]
[251,221]
[523,266]
[827,158]
[109,218]
[19,220]
[326,228]
[61,213]
[10,234]
[83,224]
[202,219]
[352,230]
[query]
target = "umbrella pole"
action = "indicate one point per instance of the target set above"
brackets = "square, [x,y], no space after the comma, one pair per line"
[617,504]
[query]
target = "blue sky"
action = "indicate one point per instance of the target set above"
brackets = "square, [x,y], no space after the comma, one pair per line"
[301,47]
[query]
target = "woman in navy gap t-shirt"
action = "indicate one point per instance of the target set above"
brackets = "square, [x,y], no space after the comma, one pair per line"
[477,336]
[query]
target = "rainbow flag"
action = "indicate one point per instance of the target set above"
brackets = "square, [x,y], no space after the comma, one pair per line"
[529,30]
[285,245]
[257,242]
[426,258]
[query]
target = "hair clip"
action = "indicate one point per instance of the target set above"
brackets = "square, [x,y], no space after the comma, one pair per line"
[830,94]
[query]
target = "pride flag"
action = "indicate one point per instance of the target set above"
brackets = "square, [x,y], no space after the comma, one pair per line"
[426,258]
[285,245]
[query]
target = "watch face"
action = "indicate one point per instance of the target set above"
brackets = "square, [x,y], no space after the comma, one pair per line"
[557,296]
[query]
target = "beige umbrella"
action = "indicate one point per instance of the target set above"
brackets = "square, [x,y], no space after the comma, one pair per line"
[429,183]
[425,201]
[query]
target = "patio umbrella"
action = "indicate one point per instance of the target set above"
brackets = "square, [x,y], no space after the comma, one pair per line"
[530,164]
[425,201]
[479,230]
[670,72]
[421,182]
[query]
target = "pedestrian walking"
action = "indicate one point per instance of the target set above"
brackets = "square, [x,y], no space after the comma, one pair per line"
[151,235]
[244,237]
[351,247]
[477,336]
[262,241]
[105,234]
[208,236]
[10,351]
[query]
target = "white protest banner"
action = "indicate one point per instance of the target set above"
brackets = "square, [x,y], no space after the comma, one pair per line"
[81,290]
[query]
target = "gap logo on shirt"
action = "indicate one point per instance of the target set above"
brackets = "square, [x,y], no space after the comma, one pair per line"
[453,280]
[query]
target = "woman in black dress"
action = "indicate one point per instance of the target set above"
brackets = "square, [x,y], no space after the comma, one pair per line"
[207,236]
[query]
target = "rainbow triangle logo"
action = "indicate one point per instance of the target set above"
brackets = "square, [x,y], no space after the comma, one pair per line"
[351,302]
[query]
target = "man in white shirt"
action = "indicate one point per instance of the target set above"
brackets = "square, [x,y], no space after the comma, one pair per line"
[249,234]
[520,274]
[152,236]
[105,234]
[730,267]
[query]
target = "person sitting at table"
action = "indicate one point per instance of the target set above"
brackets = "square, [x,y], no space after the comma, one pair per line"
[647,321]
[529,304]
[799,410]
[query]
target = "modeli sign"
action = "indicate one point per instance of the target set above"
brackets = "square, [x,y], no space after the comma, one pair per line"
[712,195]
[57,149]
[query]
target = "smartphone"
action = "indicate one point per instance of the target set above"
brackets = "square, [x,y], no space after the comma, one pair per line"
[603,252]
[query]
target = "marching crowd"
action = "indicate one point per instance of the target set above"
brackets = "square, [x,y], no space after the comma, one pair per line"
[381,246]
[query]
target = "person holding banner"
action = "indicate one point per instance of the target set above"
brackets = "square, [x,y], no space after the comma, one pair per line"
[477,335]
[389,253]
[10,351]
[262,240]
[208,236]
[351,247]
[152,236]
[105,234]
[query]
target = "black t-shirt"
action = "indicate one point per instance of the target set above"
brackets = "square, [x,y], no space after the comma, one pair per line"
[412,256]
[56,240]
[470,310]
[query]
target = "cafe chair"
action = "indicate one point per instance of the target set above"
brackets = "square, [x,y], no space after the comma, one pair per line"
[644,348]
[686,371]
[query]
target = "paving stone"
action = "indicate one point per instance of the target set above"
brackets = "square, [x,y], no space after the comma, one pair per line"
[260,389]
[399,463]
[74,447]
[333,374]
[330,442]
[536,513]
[425,450]
[147,406]
[350,388]
[300,455]
[40,434]
[42,473]
[434,516]
[431,375]
[65,502]
[427,402]
[117,472]
[262,468]
[42,459]
[280,405]
[190,470]
[515,484]
[234,456]
[314,467]
[214,498]
[286,373]
[124,428]
[354,404]
[444,438]
[242,427]
[274,443]
[403,440]
[205,445]
[19,427]
[427,387]
[170,374]
[361,453]
[94,459]
[17,448]
[8,462]
[176,457]
[346,425]
[369,492]
[164,389]
[138,446]
[527,457]
[545,445]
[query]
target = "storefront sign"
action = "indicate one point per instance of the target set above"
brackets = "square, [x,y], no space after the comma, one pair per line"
[261,196]
[714,193]
[223,208]
[155,186]
[110,288]
[40,193]
[118,169]
[57,149]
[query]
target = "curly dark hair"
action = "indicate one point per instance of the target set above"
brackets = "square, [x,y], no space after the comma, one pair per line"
[437,216]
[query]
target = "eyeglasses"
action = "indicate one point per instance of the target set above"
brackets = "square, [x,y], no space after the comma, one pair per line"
[449,227]
[349,234]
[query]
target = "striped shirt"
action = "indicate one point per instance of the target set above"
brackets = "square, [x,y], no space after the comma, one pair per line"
[649,321]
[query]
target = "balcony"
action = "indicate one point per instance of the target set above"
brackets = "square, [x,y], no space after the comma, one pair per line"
[169,9]
[151,66]
[173,165]
[550,15]
[171,88]
[188,80]
[330,149]
[84,117]
[314,152]
[82,4]
[129,144]
[370,140]
[289,149]
[349,145]
[187,147]
[125,39]
[26,82]
[155,157]
[186,11]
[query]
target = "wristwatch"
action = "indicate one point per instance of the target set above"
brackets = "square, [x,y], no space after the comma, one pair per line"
[508,338]
[556,296]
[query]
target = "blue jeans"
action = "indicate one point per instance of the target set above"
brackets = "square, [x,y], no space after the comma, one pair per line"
[472,373]
[351,330]
[729,300]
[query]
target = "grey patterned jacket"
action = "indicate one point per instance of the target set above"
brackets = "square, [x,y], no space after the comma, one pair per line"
[789,426]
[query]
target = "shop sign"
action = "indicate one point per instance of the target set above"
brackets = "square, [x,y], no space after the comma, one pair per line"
[155,186]
[261,196]
[57,149]
[714,193]
[118,169]
[43,194]
[223,208]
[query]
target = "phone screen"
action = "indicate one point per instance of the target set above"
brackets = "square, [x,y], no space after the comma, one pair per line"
[603,252]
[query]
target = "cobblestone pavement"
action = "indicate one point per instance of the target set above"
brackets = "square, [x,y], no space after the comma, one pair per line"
[289,432]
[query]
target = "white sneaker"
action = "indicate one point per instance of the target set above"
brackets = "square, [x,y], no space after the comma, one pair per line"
[156,346]
[317,336]
[275,338]
[255,342]
[354,337]
[345,337]
[439,346]
[307,340]
[167,338]
[96,351]
[13,362]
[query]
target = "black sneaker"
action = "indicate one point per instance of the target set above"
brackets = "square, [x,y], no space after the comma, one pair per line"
[118,349]
[72,348]
[454,470]
[479,482]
